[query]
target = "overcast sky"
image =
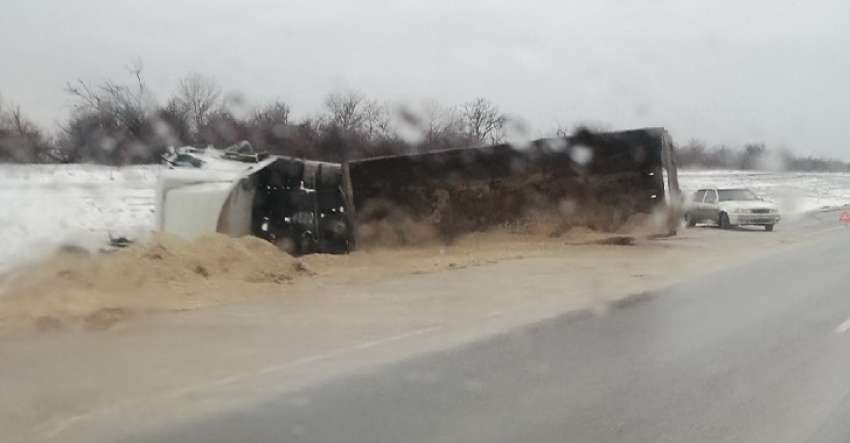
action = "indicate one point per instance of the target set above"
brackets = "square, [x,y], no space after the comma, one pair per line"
[724,71]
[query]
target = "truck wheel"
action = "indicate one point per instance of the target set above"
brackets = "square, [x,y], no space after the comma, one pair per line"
[724,221]
[768,228]
[690,221]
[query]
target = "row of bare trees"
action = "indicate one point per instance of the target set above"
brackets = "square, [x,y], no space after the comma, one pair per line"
[121,123]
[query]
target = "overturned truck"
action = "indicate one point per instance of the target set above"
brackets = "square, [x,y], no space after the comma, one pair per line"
[593,179]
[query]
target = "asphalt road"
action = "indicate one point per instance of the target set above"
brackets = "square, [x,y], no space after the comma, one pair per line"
[752,354]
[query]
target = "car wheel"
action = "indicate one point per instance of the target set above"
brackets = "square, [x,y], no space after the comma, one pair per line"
[768,228]
[724,221]
[690,221]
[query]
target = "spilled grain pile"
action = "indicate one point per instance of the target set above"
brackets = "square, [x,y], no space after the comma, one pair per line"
[165,273]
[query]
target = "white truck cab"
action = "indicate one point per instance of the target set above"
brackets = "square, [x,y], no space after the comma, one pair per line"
[293,203]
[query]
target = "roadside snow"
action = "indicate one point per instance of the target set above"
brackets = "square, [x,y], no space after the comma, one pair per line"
[46,205]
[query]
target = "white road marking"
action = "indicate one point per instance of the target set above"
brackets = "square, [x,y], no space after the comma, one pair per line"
[501,312]
[843,327]
[494,314]
[68,422]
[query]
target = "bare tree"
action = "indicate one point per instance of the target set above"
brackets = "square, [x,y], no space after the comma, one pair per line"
[345,110]
[376,121]
[275,113]
[442,127]
[114,122]
[354,126]
[195,99]
[12,119]
[127,104]
[561,131]
[483,121]
[268,127]
[21,140]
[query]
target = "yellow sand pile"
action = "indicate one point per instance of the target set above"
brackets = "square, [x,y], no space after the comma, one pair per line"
[164,273]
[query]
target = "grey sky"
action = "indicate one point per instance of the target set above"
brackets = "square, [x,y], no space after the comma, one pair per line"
[728,71]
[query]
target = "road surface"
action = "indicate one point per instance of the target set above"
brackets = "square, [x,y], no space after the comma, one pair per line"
[756,353]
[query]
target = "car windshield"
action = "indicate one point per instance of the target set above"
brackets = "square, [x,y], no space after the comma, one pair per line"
[736,195]
[424,220]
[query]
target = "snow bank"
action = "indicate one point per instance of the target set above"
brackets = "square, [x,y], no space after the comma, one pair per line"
[46,205]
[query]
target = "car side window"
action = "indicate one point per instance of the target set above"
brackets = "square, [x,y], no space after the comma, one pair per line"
[699,196]
[711,197]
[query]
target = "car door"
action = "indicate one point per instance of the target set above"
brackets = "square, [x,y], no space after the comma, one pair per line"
[711,206]
[697,212]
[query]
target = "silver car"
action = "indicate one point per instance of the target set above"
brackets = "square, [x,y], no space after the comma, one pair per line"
[730,207]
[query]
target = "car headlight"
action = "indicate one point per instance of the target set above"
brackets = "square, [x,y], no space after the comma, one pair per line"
[741,211]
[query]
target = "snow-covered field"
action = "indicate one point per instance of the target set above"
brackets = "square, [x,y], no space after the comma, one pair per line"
[46,205]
